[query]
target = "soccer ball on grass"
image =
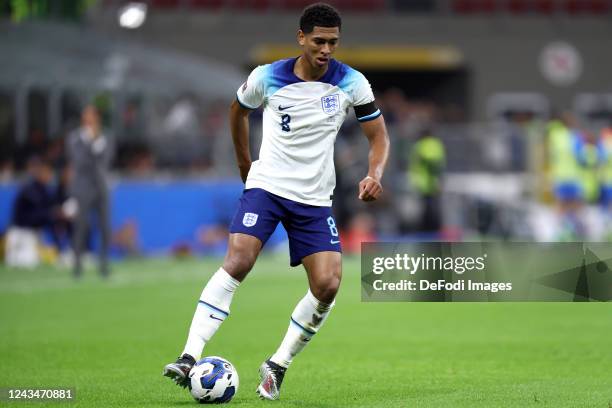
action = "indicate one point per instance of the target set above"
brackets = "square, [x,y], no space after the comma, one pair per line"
[213,380]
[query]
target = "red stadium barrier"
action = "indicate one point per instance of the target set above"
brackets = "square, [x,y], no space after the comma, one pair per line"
[545,6]
[210,4]
[165,3]
[518,6]
[588,6]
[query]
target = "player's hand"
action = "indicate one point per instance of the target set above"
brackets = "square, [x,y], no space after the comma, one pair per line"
[369,189]
[244,171]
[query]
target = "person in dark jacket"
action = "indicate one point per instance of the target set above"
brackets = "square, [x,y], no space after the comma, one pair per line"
[35,209]
[34,205]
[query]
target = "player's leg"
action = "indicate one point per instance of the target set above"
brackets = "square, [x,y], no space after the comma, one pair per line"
[324,274]
[324,270]
[214,304]
[313,241]
[251,227]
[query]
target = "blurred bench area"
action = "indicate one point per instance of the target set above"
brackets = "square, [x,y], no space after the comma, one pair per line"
[162,217]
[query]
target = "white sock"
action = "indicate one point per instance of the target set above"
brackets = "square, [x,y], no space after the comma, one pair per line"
[308,316]
[211,311]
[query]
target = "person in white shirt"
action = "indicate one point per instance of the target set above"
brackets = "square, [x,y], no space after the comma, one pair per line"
[305,101]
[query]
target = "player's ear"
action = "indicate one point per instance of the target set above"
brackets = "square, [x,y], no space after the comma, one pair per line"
[301,38]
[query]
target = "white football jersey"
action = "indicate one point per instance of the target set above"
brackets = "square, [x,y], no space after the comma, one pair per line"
[300,122]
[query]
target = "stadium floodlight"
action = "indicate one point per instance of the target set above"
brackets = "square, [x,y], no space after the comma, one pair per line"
[132,15]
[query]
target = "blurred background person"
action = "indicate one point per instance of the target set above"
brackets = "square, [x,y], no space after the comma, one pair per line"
[427,161]
[605,169]
[35,208]
[589,156]
[564,154]
[90,152]
[605,178]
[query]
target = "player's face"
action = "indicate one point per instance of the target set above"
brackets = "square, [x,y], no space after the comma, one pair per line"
[319,45]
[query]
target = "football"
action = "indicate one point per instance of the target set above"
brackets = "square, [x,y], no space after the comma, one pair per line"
[214,380]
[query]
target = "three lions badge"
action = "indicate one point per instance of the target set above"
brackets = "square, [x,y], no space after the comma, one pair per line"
[249,219]
[330,104]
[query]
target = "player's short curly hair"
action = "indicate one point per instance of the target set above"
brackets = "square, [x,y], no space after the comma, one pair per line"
[321,15]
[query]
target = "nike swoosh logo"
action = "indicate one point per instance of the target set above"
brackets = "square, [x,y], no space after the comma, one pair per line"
[282,108]
[335,242]
[212,316]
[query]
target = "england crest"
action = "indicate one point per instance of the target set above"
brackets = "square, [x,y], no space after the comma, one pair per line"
[330,104]
[249,219]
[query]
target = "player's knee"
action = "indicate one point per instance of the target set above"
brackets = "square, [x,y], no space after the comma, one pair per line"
[326,287]
[241,255]
[239,264]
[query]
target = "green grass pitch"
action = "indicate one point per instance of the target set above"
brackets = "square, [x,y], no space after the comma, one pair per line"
[111,339]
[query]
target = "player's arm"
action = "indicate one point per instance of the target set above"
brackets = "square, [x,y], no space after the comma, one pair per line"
[239,127]
[375,130]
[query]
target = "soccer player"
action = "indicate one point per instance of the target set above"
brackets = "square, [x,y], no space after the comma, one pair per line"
[305,100]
